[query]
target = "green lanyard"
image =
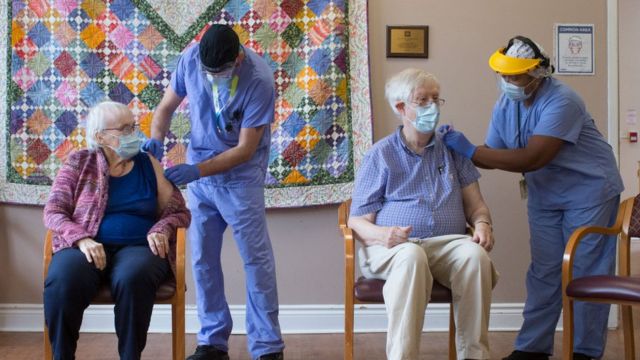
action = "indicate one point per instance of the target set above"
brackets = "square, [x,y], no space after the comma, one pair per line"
[232,93]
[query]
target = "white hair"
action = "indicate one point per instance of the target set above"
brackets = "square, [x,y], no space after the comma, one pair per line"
[401,85]
[97,116]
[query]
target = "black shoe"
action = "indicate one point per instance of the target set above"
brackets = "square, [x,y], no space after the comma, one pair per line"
[580,356]
[208,352]
[272,356]
[525,355]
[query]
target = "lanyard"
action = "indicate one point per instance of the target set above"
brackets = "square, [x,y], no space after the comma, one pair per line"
[216,100]
[520,143]
[520,137]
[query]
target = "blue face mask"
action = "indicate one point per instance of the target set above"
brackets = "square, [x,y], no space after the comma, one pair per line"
[129,146]
[427,118]
[514,92]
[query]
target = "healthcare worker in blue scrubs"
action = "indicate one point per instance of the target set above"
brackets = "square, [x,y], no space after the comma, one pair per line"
[231,101]
[541,128]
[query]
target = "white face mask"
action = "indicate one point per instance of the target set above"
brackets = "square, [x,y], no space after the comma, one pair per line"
[427,118]
[514,92]
[128,145]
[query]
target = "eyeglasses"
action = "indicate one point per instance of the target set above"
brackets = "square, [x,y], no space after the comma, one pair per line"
[437,102]
[125,129]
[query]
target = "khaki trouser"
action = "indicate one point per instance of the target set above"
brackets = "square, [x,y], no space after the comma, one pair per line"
[409,270]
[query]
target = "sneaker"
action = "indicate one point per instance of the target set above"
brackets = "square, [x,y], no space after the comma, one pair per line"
[525,355]
[208,352]
[580,356]
[272,356]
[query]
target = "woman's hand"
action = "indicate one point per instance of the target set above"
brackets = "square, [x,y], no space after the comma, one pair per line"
[159,244]
[483,235]
[94,251]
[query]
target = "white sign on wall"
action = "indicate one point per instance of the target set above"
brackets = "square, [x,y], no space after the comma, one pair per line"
[573,45]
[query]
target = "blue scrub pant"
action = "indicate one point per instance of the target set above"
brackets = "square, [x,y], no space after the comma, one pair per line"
[72,282]
[550,232]
[212,209]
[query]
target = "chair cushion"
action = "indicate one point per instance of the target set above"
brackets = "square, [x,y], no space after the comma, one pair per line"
[165,292]
[634,221]
[370,290]
[616,288]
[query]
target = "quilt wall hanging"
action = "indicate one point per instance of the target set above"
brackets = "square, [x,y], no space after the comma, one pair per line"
[63,56]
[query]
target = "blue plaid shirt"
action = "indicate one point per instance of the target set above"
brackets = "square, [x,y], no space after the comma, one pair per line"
[404,188]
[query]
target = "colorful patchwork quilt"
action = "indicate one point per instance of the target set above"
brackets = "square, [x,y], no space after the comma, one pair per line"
[64,56]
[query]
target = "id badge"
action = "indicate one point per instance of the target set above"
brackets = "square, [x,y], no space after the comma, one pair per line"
[523,189]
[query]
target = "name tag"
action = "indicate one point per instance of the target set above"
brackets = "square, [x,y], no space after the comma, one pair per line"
[523,189]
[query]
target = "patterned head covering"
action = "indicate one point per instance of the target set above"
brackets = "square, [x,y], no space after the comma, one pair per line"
[521,50]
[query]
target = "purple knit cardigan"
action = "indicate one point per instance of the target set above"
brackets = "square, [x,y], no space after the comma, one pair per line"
[78,200]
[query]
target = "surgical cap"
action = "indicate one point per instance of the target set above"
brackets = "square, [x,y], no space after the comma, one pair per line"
[521,50]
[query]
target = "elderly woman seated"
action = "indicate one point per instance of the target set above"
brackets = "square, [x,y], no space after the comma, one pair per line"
[412,201]
[114,216]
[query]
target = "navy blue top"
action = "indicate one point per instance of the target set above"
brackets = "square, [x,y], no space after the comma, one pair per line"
[132,205]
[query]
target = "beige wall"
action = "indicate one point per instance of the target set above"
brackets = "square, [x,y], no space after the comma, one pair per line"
[629,30]
[629,87]
[308,250]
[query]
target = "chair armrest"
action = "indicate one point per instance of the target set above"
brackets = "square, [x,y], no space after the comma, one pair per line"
[47,253]
[180,246]
[349,247]
[581,232]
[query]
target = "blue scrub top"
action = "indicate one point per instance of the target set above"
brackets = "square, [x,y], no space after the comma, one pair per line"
[252,106]
[583,173]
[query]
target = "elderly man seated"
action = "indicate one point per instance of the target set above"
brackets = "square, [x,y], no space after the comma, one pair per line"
[412,201]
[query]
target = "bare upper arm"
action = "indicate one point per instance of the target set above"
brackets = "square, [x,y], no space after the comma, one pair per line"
[165,188]
[170,101]
[249,139]
[541,150]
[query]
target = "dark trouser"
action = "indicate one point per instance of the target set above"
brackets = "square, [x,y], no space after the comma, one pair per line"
[134,274]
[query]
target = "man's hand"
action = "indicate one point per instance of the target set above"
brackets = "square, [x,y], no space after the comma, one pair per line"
[94,252]
[182,174]
[153,147]
[483,235]
[396,235]
[456,141]
[159,244]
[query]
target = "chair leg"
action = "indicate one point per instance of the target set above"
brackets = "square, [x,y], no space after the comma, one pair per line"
[48,353]
[452,334]
[348,331]
[178,330]
[627,327]
[567,328]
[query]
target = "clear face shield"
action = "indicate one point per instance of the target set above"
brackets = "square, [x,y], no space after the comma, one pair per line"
[221,73]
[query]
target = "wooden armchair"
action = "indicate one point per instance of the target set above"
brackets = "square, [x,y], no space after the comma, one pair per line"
[621,289]
[166,294]
[362,290]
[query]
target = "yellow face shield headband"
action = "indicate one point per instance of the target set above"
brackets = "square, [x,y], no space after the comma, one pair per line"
[507,65]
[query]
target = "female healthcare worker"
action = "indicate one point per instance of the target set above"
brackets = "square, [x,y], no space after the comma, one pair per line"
[541,128]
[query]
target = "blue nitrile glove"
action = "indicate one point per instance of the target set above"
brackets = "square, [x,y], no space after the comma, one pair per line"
[153,147]
[456,141]
[182,174]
